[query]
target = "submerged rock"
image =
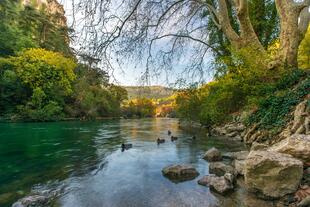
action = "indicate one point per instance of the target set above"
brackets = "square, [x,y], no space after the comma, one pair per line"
[272,174]
[297,145]
[180,173]
[32,201]
[219,168]
[221,184]
[213,155]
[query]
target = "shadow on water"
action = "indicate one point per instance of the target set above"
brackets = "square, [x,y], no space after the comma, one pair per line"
[87,157]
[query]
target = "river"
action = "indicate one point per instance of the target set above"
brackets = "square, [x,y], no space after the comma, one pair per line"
[86,158]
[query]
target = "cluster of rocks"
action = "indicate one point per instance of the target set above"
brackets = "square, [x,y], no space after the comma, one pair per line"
[32,201]
[41,197]
[269,172]
[222,178]
[234,130]
[276,166]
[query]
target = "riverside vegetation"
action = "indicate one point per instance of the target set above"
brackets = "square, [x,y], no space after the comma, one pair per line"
[40,78]
[259,94]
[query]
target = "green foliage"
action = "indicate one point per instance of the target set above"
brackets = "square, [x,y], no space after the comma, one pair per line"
[49,112]
[93,96]
[12,37]
[245,87]
[35,83]
[45,69]
[12,92]
[42,85]
[139,108]
[273,111]
[188,103]
[304,52]
[265,21]
[45,84]
[29,27]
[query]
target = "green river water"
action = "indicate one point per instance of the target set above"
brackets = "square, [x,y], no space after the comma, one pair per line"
[86,158]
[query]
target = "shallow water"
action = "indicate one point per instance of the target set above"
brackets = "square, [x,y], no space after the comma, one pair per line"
[86,157]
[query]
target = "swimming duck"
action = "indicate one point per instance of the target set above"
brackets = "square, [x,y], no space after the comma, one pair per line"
[126,146]
[194,137]
[159,141]
[169,132]
[173,138]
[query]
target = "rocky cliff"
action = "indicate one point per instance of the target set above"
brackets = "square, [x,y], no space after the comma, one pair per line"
[52,7]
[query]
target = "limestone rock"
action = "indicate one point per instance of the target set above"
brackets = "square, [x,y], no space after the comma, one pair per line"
[233,130]
[297,145]
[32,201]
[272,174]
[239,166]
[180,173]
[304,203]
[213,155]
[219,168]
[258,146]
[300,114]
[241,155]
[221,184]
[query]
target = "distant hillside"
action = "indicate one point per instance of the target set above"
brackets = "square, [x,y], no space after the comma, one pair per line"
[155,92]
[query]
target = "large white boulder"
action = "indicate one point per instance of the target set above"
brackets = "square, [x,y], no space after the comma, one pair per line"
[272,174]
[297,145]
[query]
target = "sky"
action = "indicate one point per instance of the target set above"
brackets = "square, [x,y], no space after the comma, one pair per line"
[130,72]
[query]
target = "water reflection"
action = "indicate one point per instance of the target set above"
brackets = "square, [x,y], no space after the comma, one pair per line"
[87,157]
[133,177]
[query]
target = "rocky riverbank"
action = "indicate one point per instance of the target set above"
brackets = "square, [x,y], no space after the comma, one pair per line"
[277,167]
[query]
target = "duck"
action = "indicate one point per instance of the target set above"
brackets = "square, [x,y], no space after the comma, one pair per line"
[169,132]
[160,141]
[126,146]
[173,138]
[194,137]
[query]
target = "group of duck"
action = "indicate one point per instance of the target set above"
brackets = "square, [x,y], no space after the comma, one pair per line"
[159,141]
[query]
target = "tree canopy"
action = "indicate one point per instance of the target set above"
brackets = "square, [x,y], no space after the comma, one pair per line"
[193,28]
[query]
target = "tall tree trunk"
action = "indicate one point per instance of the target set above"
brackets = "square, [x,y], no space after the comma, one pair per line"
[294,21]
[289,35]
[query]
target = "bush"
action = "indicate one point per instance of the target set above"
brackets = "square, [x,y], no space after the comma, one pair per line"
[49,112]
[140,108]
[274,111]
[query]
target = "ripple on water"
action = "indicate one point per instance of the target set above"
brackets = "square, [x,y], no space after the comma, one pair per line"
[87,157]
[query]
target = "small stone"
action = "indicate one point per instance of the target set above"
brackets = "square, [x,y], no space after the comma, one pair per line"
[213,155]
[231,178]
[180,173]
[221,184]
[219,168]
